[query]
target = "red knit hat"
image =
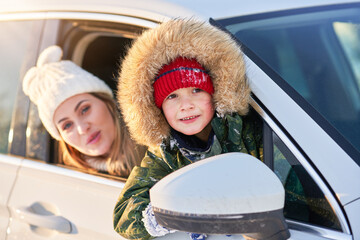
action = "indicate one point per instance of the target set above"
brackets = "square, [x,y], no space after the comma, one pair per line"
[180,73]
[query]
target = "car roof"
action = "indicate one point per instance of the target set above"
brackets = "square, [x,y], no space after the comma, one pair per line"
[160,10]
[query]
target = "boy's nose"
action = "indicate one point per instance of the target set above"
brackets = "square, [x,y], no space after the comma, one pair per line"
[186,104]
[83,127]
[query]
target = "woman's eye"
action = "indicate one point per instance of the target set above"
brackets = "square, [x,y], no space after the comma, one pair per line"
[171,96]
[66,126]
[85,109]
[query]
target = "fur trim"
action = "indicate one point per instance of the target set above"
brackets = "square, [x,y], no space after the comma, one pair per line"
[213,48]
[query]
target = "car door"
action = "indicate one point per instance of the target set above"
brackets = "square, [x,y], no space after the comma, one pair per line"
[8,171]
[301,68]
[311,210]
[49,199]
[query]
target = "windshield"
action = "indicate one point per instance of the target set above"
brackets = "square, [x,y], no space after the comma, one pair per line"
[317,53]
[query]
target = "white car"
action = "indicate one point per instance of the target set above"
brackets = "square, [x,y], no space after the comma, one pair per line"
[303,64]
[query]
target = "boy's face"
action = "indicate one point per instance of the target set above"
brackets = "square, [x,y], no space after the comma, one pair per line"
[189,111]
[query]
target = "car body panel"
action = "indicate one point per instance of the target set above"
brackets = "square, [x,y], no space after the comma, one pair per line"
[160,10]
[8,170]
[353,210]
[84,200]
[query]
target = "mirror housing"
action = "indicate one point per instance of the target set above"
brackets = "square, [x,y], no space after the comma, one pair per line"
[232,193]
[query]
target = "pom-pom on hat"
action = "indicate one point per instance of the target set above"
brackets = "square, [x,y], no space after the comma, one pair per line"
[180,73]
[52,81]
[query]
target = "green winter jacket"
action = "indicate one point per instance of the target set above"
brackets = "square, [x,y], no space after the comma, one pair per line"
[233,133]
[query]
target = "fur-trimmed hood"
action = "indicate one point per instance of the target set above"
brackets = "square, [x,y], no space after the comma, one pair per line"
[214,49]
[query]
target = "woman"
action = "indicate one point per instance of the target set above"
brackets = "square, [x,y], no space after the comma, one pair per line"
[79,111]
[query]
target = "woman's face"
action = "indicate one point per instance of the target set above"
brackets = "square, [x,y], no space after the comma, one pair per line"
[85,123]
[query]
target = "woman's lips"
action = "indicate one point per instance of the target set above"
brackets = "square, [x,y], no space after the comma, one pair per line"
[94,138]
[189,119]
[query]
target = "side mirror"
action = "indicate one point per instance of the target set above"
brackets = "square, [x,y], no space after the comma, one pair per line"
[232,193]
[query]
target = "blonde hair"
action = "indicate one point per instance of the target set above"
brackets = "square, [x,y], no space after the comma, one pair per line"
[124,153]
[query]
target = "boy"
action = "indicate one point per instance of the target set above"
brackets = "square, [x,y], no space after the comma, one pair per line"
[182,91]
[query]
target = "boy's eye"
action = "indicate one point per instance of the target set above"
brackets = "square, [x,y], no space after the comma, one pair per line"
[171,96]
[196,90]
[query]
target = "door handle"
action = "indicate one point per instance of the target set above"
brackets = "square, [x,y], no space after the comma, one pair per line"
[53,222]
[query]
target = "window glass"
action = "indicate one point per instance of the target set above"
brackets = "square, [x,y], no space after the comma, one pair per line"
[349,36]
[13,45]
[304,200]
[317,53]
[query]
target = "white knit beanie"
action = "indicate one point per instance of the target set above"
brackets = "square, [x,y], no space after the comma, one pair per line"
[53,81]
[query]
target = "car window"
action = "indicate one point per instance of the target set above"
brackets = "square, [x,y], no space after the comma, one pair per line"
[102,57]
[348,34]
[304,200]
[96,46]
[316,52]
[14,42]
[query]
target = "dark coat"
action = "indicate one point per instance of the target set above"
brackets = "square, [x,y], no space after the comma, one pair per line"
[222,57]
[233,133]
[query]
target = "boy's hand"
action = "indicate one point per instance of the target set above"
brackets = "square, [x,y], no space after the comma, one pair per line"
[152,226]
